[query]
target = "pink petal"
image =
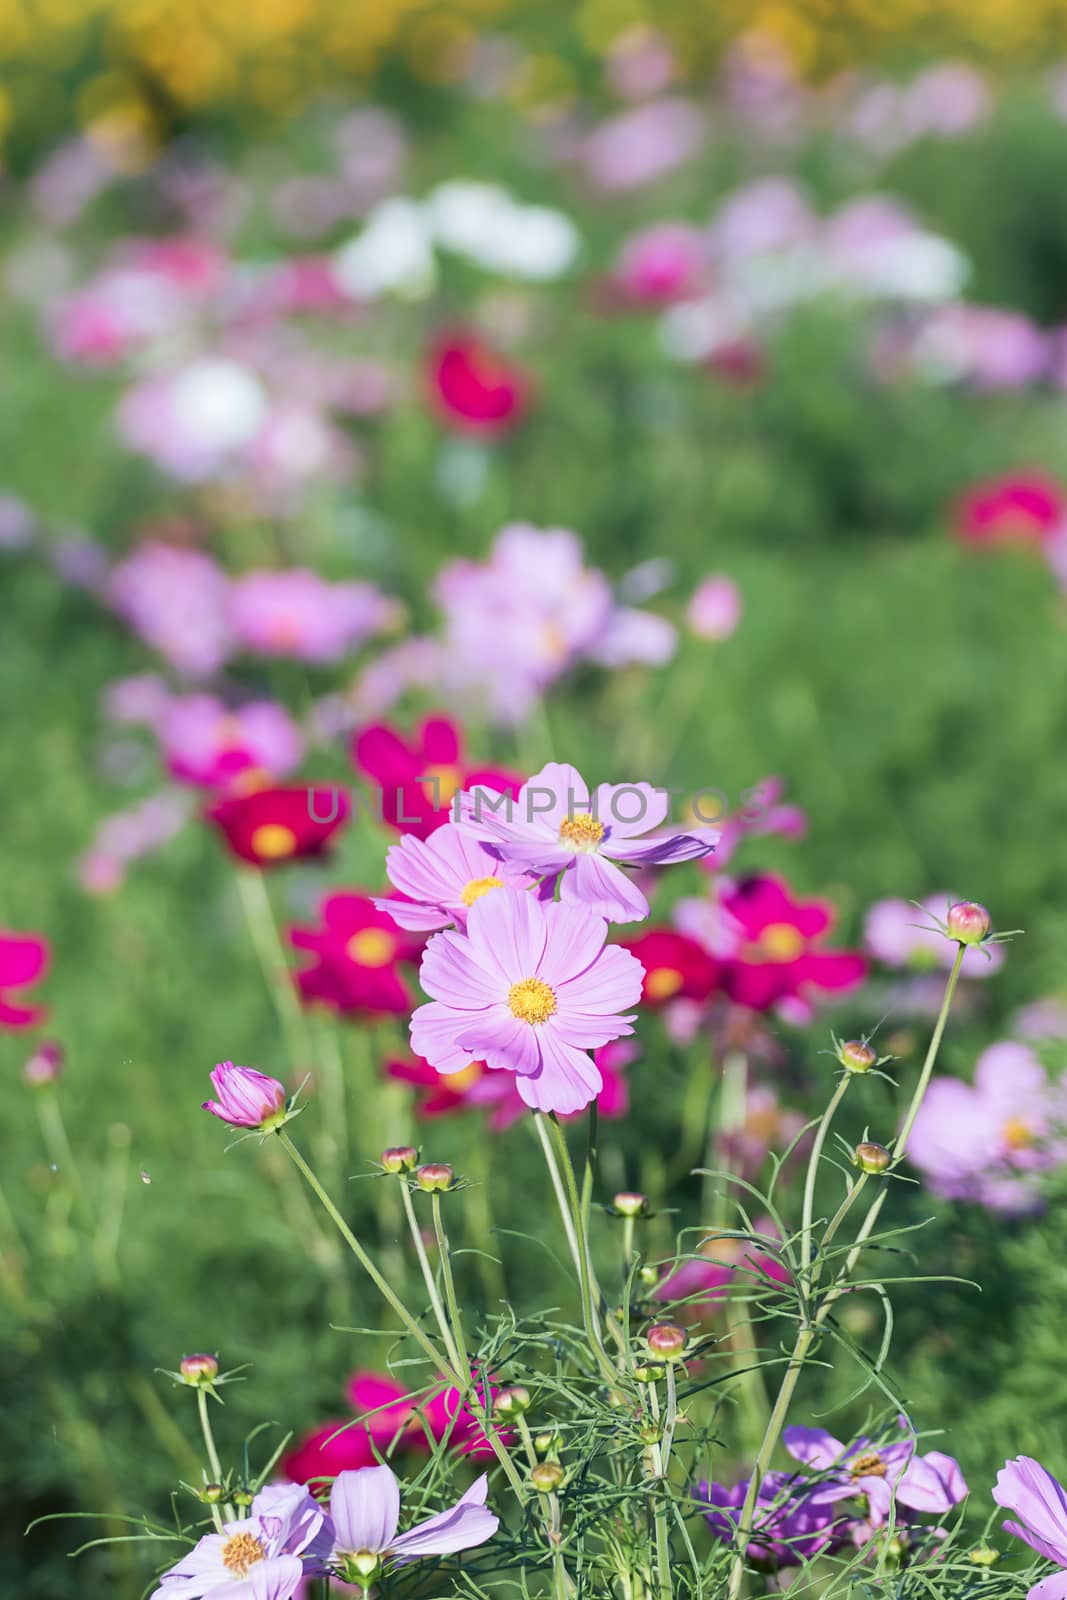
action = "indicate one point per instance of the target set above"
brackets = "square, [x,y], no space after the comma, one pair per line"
[464,1525]
[569,1079]
[365,1508]
[597,883]
[434,1028]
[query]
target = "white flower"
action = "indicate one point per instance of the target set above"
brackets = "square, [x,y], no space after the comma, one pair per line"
[393,254]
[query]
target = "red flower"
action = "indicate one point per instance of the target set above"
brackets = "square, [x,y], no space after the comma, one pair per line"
[473,388]
[676,967]
[1024,508]
[776,955]
[24,959]
[269,827]
[418,779]
[358,949]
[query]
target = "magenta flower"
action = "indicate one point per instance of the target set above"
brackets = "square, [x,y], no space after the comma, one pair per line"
[1038,1500]
[208,745]
[529,989]
[247,1098]
[778,955]
[260,1557]
[24,959]
[441,877]
[555,825]
[987,1142]
[476,1088]
[365,1510]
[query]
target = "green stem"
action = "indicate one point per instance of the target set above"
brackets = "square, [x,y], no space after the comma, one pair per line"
[584,1273]
[428,1275]
[212,1456]
[558,1189]
[454,1316]
[813,1171]
[263,932]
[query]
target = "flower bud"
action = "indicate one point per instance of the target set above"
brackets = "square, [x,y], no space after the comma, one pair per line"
[211,1493]
[857,1055]
[650,1433]
[242,1497]
[650,1373]
[196,1370]
[511,1403]
[984,1556]
[871,1158]
[666,1340]
[547,1444]
[44,1066]
[400,1158]
[547,1476]
[247,1098]
[435,1177]
[649,1276]
[629,1203]
[360,1566]
[968,922]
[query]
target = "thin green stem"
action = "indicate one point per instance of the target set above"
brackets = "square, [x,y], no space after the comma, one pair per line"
[584,1273]
[558,1189]
[428,1275]
[454,1315]
[212,1456]
[815,1157]
[263,932]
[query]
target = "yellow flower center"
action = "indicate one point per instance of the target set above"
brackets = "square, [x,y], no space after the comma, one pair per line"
[780,942]
[241,1551]
[272,841]
[371,947]
[479,886]
[583,831]
[662,982]
[531,1000]
[440,784]
[1017,1134]
[868,1465]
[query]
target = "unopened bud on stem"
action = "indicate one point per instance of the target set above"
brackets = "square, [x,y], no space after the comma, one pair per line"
[666,1341]
[871,1158]
[197,1370]
[547,1477]
[630,1204]
[857,1055]
[968,922]
[435,1177]
[400,1158]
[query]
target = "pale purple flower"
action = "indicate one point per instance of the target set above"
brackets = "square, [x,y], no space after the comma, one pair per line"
[883,1473]
[529,989]
[902,934]
[765,217]
[17,523]
[1039,1503]
[714,610]
[640,63]
[246,1098]
[947,99]
[788,1527]
[642,145]
[988,1142]
[177,601]
[442,876]
[259,1557]
[140,698]
[556,825]
[365,1511]
[297,613]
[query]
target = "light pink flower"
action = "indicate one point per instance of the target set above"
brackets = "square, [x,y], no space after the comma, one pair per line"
[259,1557]
[365,1512]
[176,600]
[247,1098]
[529,989]
[441,877]
[207,744]
[1039,1502]
[297,613]
[715,608]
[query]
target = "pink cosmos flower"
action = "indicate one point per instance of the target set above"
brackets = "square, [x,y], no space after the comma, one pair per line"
[301,615]
[209,745]
[1020,508]
[1039,1502]
[176,601]
[418,778]
[24,960]
[901,934]
[556,826]
[642,145]
[246,1098]
[441,877]
[662,263]
[384,1420]
[777,956]
[474,389]
[883,1473]
[365,1512]
[529,989]
[715,608]
[359,950]
[259,1557]
[475,1087]
[988,1142]
[722,1265]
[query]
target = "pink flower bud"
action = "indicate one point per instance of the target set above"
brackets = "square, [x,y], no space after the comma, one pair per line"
[44,1066]
[857,1055]
[247,1098]
[435,1177]
[630,1204]
[400,1158]
[666,1340]
[513,1402]
[871,1158]
[715,608]
[196,1370]
[968,922]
